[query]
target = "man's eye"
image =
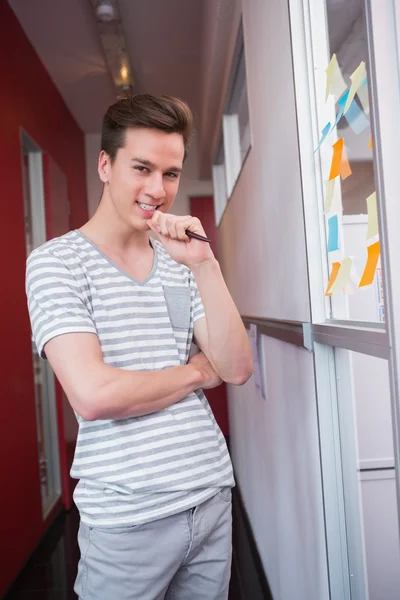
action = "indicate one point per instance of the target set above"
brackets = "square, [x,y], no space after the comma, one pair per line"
[172,175]
[140,168]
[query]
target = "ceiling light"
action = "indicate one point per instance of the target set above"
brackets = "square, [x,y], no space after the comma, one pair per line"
[124,73]
[105,11]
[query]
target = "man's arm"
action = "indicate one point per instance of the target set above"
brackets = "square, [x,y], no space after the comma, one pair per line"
[99,391]
[221,335]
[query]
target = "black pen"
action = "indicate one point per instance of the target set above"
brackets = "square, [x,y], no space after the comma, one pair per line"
[197,236]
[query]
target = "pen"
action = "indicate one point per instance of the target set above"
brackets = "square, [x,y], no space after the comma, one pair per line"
[197,236]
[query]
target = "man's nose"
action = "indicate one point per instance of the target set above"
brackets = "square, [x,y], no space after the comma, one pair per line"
[155,186]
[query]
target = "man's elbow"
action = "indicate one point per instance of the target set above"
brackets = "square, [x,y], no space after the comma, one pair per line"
[86,405]
[85,410]
[241,375]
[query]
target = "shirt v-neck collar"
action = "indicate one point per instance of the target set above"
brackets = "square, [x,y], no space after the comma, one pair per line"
[117,267]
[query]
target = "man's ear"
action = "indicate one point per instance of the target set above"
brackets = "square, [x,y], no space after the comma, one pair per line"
[104,167]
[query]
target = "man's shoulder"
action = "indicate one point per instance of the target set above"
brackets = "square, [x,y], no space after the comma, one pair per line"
[59,248]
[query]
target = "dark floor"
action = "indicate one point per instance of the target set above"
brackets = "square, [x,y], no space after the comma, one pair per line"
[50,573]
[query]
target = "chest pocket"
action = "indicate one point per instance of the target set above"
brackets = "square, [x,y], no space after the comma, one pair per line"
[178,305]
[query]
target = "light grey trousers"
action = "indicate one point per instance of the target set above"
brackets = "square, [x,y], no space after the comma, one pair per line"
[183,557]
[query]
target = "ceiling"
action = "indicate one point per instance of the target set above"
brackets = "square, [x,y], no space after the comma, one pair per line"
[163,41]
[177,47]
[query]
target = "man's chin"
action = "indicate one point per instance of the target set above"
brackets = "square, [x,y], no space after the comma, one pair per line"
[140,225]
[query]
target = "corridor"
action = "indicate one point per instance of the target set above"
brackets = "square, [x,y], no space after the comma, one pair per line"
[50,572]
[292,170]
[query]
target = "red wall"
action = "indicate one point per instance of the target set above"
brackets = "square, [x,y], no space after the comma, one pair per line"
[28,99]
[203,208]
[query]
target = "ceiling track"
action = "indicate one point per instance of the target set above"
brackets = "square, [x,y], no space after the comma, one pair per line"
[112,39]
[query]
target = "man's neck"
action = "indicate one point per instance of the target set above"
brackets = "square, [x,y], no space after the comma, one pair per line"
[107,230]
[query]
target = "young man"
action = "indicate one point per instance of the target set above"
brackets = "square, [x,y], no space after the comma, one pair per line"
[115,314]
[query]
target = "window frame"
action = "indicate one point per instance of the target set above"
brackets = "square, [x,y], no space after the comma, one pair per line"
[225,175]
[309,27]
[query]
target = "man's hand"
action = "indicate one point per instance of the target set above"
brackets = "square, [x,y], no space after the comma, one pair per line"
[210,377]
[171,229]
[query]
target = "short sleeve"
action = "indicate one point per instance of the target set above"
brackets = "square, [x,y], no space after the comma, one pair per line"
[197,304]
[56,302]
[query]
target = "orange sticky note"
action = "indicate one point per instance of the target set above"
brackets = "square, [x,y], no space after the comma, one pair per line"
[374,252]
[345,170]
[370,142]
[332,278]
[340,164]
[336,158]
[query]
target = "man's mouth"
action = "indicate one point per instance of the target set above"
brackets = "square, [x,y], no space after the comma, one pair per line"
[147,207]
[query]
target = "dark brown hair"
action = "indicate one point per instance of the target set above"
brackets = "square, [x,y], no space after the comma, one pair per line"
[165,113]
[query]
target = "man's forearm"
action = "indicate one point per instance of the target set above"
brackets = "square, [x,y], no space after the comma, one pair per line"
[120,394]
[228,342]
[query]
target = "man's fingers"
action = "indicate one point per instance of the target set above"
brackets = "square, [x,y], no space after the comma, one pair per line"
[171,227]
[181,232]
[175,227]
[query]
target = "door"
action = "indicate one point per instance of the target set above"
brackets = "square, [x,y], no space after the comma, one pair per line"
[57,224]
[44,380]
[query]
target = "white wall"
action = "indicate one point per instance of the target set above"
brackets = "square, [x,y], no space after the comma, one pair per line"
[275,454]
[190,184]
[274,443]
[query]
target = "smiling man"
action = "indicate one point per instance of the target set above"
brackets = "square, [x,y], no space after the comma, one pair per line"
[115,314]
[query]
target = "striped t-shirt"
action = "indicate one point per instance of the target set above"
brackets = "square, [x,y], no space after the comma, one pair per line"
[139,469]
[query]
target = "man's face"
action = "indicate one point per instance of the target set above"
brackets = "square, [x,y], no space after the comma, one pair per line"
[144,176]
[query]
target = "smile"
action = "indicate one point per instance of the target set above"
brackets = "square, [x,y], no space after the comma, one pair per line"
[147,207]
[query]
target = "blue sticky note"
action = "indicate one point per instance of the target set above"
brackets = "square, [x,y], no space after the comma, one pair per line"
[325,132]
[356,118]
[333,236]
[342,103]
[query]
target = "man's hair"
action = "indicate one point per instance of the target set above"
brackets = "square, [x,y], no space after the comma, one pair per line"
[164,113]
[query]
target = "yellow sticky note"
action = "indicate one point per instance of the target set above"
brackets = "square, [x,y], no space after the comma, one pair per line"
[374,252]
[373,227]
[332,278]
[329,193]
[343,277]
[357,78]
[335,84]
[370,142]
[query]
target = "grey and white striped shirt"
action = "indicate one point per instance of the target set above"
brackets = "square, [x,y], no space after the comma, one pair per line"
[144,468]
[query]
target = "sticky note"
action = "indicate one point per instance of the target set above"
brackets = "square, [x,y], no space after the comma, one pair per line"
[374,252]
[356,118]
[345,170]
[336,158]
[363,96]
[341,102]
[329,194]
[343,277]
[335,84]
[333,237]
[332,278]
[370,142]
[340,164]
[349,290]
[357,78]
[258,373]
[325,132]
[373,227]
